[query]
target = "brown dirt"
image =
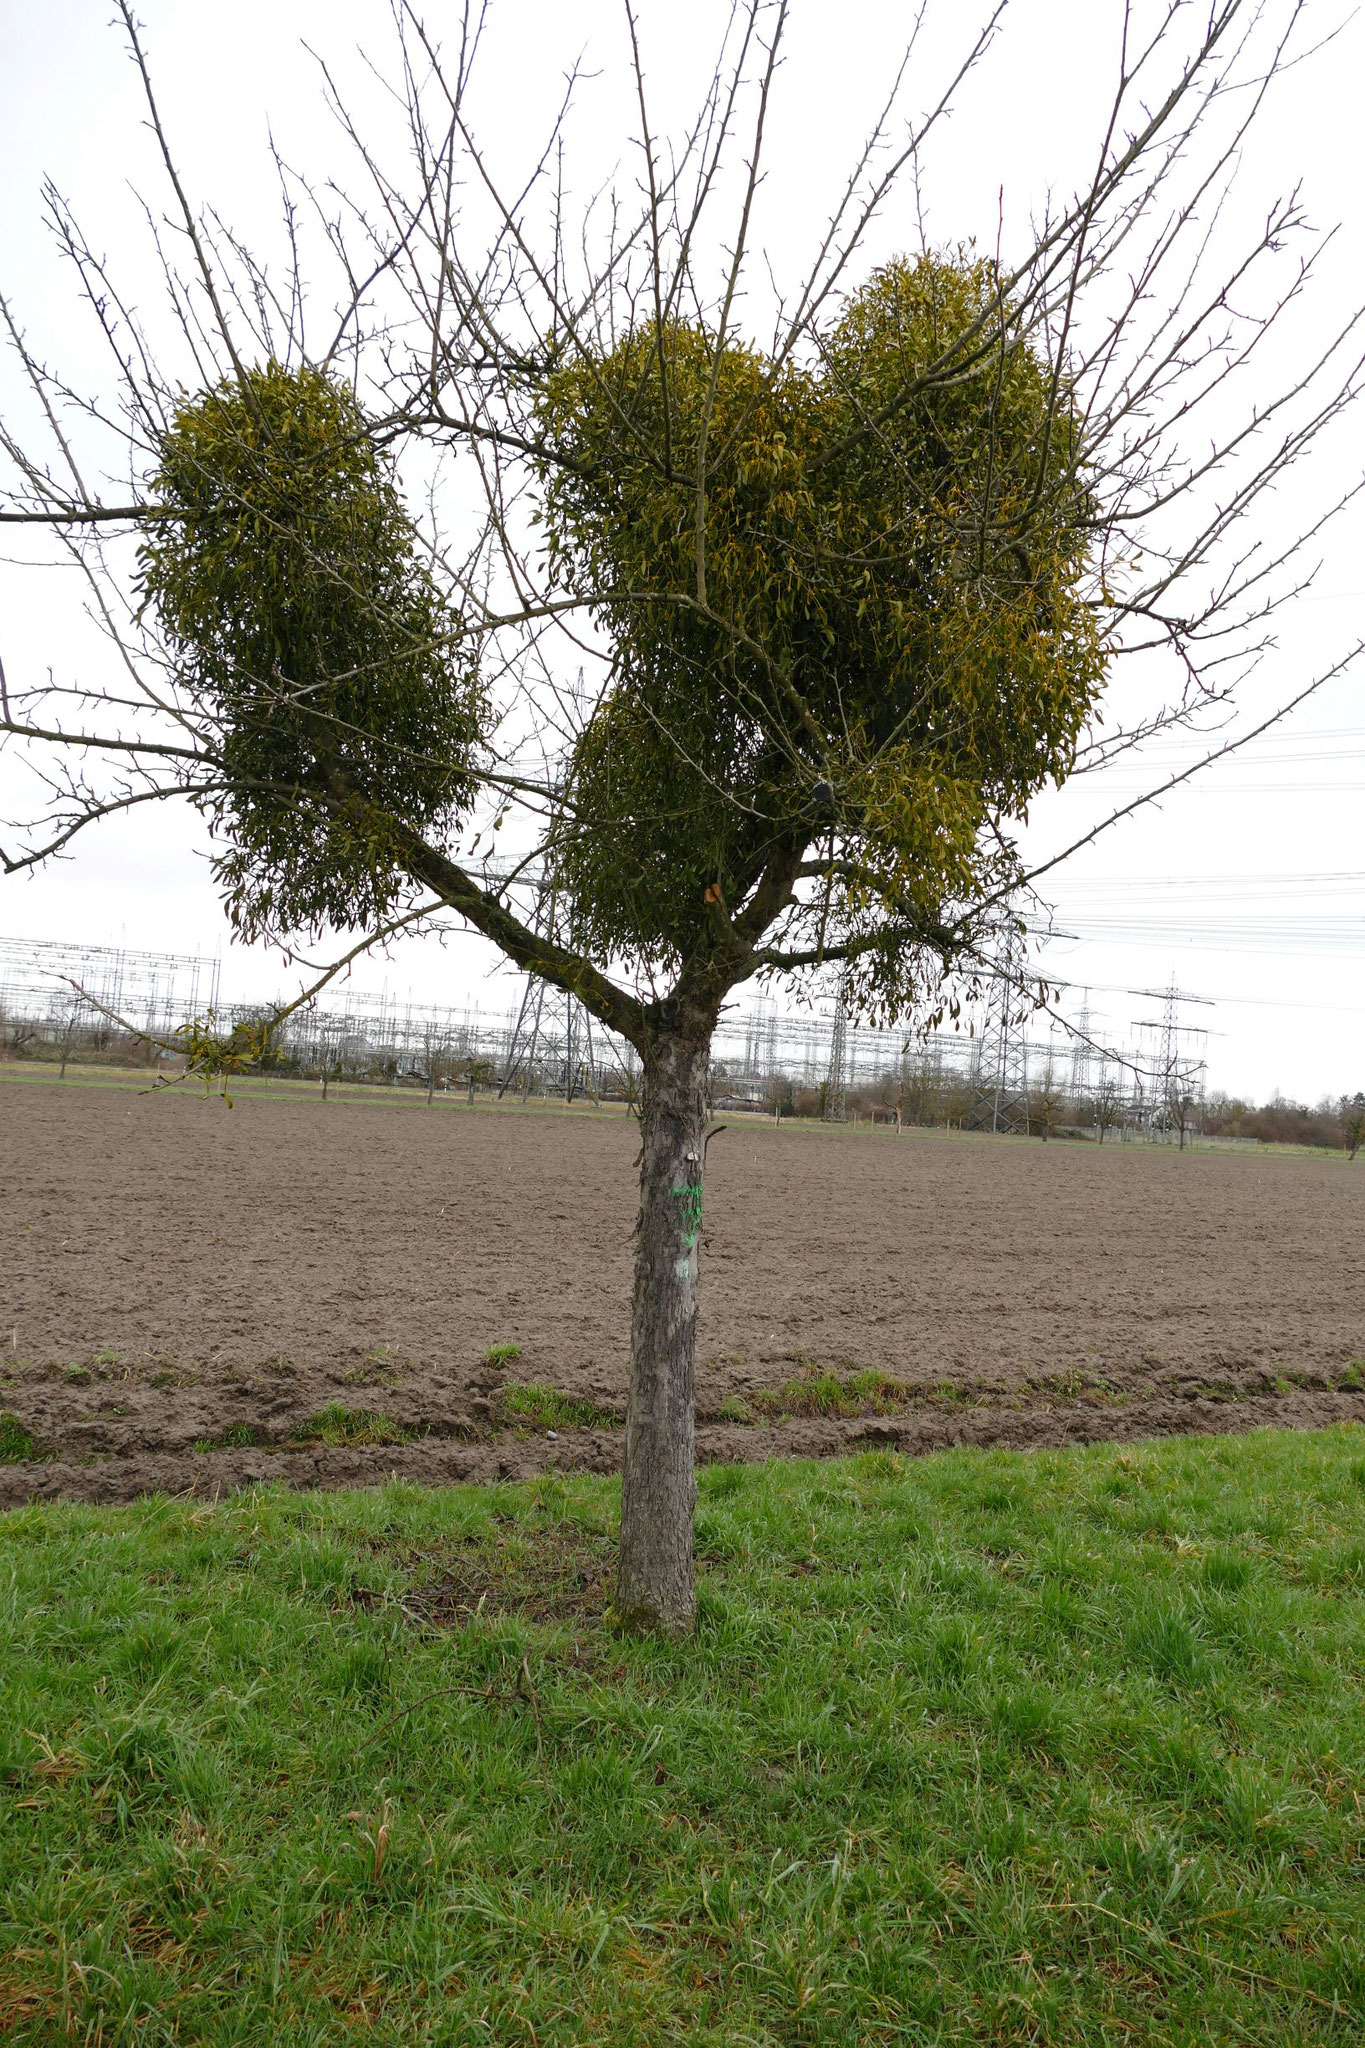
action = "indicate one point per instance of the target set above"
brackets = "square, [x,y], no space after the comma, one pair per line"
[176,1272]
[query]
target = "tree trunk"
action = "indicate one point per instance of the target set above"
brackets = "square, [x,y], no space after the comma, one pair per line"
[659,1488]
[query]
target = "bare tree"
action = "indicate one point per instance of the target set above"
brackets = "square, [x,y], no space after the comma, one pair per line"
[478,1073]
[1048,1099]
[1108,1103]
[72,1015]
[329,1056]
[923,1089]
[440,1062]
[847,585]
[779,1095]
[1181,1104]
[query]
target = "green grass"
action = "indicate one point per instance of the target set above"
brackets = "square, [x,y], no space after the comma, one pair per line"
[529,1405]
[502,1354]
[819,1392]
[15,1442]
[237,1436]
[345,1426]
[1061,1748]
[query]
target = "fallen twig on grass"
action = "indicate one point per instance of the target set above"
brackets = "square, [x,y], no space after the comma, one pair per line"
[474,1692]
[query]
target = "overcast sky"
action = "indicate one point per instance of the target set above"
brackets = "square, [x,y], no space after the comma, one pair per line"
[1247,885]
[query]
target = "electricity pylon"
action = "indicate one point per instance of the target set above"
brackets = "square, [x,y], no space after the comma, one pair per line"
[999,1098]
[1080,1057]
[553,1031]
[835,1109]
[1175,1074]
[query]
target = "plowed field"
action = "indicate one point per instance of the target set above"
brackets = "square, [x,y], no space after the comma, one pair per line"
[186,1288]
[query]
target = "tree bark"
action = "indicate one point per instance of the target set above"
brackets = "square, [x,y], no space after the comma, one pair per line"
[659,1489]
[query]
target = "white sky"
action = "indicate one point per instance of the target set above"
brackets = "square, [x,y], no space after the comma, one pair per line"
[1248,885]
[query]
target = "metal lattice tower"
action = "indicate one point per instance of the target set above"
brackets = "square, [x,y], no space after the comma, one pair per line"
[552,1032]
[154,991]
[553,1035]
[1173,1072]
[835,1109]
[759,1038]
[1168,1056]
[1081,1055]
[999,1093]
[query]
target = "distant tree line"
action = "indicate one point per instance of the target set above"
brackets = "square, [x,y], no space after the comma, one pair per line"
[1335,1122]
[931,1096]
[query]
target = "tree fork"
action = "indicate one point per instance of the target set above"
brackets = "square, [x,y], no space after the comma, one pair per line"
[659,1488]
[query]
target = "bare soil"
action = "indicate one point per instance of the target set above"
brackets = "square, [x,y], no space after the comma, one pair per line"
[185,1288]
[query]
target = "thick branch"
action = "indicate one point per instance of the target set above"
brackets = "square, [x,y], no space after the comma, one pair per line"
[570,971]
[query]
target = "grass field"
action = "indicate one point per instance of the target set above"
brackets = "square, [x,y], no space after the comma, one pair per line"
[288,1087]
[988,1747]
